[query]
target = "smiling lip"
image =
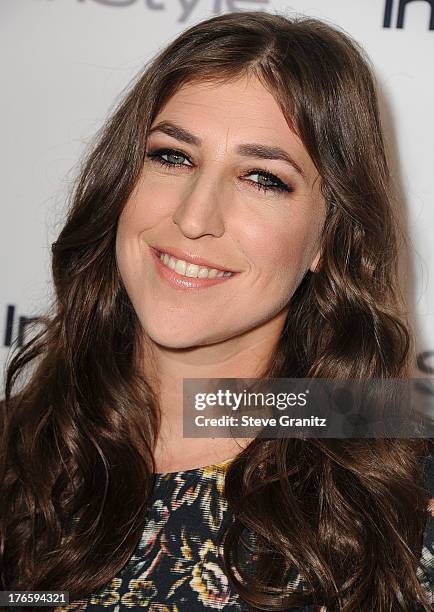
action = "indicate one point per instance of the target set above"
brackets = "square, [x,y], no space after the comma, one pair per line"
[190,258]
[179,281]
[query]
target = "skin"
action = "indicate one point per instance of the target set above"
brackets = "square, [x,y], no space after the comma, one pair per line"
[207,203]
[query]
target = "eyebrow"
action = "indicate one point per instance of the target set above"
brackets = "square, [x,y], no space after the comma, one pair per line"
[252,149]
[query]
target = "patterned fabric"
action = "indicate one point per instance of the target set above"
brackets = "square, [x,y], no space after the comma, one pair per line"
[176,565]
[426,577]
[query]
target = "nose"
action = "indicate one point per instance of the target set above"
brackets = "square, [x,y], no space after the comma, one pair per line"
[199,212]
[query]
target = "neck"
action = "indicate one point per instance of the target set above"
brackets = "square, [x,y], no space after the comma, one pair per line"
[244,356]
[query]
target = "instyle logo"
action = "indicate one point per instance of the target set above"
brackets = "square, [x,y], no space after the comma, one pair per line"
[401,5]
[185,8]
[425,362]
[15,327]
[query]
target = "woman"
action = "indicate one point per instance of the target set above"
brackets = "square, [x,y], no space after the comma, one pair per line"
[234,219]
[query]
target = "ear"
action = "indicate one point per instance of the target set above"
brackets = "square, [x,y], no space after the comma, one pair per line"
[314,264]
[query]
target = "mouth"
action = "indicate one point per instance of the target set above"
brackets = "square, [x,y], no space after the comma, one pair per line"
[190,260]
[188,272]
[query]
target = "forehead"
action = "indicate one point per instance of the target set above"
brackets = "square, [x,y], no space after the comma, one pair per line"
[244,99]
[232,112]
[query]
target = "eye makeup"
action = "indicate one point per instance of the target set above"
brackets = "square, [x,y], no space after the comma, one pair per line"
[157,156]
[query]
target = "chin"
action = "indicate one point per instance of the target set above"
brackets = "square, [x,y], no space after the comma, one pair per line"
[169,337]
[178,343]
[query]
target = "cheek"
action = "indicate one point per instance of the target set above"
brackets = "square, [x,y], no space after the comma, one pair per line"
[142,211]
[280,248]
[129,250]
[147,205]
[126,261]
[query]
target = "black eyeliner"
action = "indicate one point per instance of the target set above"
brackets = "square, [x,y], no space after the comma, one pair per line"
[155,155]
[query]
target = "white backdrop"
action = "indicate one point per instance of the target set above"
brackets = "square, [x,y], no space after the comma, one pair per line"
[64,64]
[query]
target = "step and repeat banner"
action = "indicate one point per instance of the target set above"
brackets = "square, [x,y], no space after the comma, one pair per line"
[65,63]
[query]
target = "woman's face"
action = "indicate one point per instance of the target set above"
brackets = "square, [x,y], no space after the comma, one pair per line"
[222,145]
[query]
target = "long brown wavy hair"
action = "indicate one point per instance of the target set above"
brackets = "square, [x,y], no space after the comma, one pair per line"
[78,433]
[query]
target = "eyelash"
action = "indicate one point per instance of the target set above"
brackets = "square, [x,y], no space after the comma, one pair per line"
[156,156]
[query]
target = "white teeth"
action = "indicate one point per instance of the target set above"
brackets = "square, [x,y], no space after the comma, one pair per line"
[189,269]
[180,266]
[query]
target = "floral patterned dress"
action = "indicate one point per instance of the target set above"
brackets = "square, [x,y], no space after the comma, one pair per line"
[176,566]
